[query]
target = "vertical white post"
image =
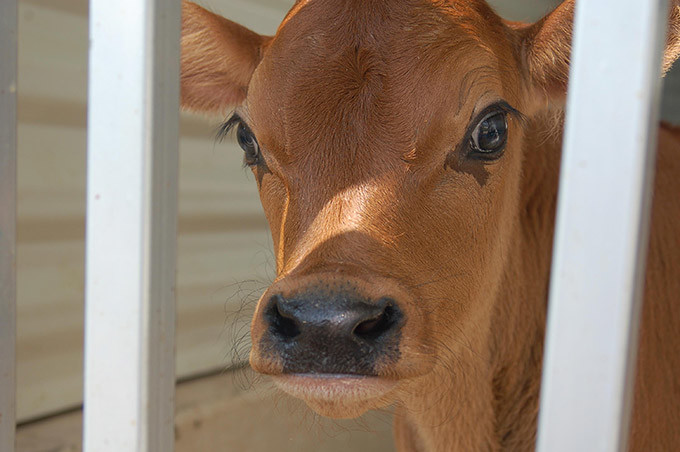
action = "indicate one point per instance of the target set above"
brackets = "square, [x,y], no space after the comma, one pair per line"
[131,225]
[8,186]
[602,225]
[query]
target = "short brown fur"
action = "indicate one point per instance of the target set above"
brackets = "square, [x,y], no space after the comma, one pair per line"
[359,107]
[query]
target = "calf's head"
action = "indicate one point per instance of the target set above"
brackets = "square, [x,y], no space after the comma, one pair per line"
[387,141]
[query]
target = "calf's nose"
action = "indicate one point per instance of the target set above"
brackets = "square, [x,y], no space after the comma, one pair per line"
[337,333]
[356,320]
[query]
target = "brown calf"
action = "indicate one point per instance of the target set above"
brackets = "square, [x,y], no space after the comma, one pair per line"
[407,155]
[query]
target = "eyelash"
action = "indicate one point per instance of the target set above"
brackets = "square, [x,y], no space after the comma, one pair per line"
[227,127]
[251,148]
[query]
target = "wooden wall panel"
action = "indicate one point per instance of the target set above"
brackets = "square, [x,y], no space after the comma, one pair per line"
[224,243]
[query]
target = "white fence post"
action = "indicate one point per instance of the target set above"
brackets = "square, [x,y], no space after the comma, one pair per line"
[131,225]
[8,185]
[602,225]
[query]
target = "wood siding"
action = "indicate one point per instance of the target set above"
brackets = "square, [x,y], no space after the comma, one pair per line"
[224,243]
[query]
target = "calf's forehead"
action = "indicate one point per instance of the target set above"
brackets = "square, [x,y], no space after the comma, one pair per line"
[344,73]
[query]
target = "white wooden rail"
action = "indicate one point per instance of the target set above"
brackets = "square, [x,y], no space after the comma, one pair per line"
[132,170]
[8,145]
[602,225]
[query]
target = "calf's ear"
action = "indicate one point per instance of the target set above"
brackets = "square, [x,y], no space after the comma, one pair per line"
[547,48]
[218,59]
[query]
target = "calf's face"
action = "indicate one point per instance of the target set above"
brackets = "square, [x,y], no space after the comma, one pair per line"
[387,161]
[386,138]
[386,141]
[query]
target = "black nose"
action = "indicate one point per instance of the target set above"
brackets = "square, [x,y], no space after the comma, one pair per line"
[336,333]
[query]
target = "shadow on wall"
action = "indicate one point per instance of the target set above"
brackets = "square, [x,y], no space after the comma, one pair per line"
[670,97]
[523,10]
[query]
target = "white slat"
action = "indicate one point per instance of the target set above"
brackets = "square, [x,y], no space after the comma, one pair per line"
[131,225]
[8,186]
[602,225]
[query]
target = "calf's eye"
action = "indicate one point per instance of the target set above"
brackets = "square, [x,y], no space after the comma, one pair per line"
[490,136]
[246,139]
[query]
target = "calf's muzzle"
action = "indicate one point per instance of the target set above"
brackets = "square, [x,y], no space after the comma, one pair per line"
[330,331]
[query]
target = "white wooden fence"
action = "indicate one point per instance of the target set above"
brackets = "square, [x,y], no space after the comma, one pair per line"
[132,184]
[132,173]
[602,225]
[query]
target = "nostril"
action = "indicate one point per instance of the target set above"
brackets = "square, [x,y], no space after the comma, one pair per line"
[281,324]
[372,329]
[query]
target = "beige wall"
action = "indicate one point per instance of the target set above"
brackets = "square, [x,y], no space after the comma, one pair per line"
[223,236]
